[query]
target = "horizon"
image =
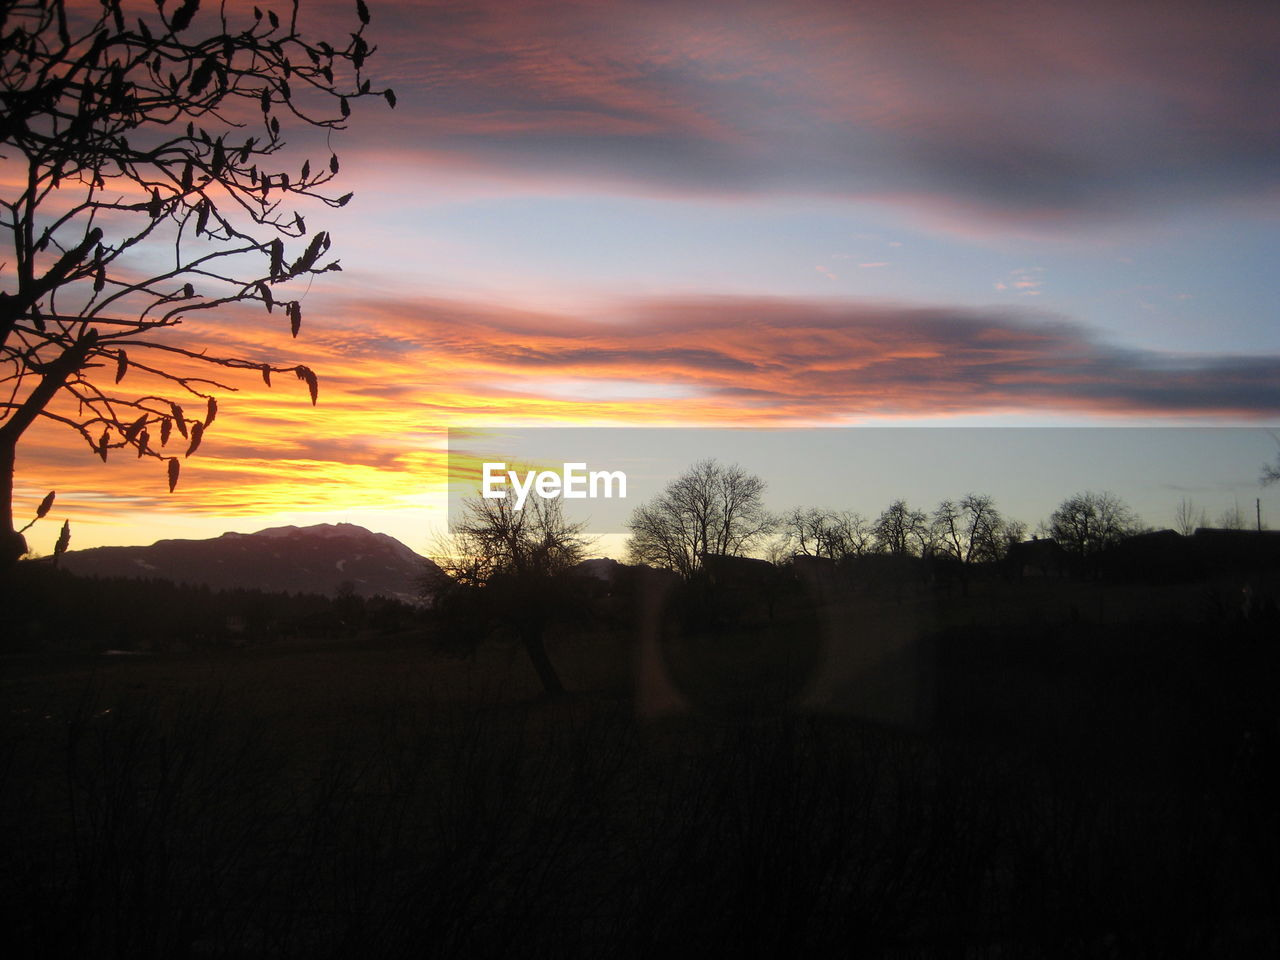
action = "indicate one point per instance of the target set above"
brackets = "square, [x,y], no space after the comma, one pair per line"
[590,557]
[1027,472]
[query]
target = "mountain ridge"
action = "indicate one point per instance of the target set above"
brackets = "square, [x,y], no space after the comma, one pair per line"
[323,558]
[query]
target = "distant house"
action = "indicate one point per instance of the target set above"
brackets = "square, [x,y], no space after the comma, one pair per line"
[1225,550]
[884,575]
[725,570]
[805,565]
[604,569]
[600,576]
[819,576]
[1166,556]
[743,583]
[1038,558]
[1156,556]
[945,573]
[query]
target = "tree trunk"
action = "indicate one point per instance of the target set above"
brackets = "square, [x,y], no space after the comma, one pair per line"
[531,637]
[12,544]
[52,379]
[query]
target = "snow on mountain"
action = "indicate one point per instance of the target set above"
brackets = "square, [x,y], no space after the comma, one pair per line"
[316,559]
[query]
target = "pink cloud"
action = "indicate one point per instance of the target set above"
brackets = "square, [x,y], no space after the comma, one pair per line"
[396,372]
[778,359]
[1020,110]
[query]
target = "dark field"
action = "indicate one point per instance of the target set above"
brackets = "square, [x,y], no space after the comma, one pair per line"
[1087,772]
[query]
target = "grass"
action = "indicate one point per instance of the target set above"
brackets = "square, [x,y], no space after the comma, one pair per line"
[1105,793]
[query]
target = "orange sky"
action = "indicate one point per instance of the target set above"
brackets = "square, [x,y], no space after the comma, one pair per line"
[801,214]
[395,376]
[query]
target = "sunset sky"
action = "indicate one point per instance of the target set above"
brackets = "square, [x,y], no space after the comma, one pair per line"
[749,214]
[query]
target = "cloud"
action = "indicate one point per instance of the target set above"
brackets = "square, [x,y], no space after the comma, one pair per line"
[1025,281]
[1020,110]
[396,373]
[779,359]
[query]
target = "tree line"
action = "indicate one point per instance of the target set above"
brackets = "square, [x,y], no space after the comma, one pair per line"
[713,509]
[51,609]
[514,572]
[717,509]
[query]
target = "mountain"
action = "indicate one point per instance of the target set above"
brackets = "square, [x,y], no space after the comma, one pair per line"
[317,559]
[600,568]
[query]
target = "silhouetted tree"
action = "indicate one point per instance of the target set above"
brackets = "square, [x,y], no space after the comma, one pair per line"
[1187,517]
[901,531]
[710,509]
[1271,471]
[972,530]
[1232,518]
[1014,532]
[144,183]
[512,567]
[1089,522]
[814,532]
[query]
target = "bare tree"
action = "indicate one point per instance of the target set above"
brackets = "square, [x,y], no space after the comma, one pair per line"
[847,534]
[510,567]
[811,531]
[971,530]
[1187,517]
[710,509]
[1015,531]
[901,531]
[802,533]
[1232,518]
[145,183]
[948,524]
[1271,471]
[1089,522]
[494,538]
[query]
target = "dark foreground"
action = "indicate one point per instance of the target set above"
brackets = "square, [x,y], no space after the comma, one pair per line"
[1103,792]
